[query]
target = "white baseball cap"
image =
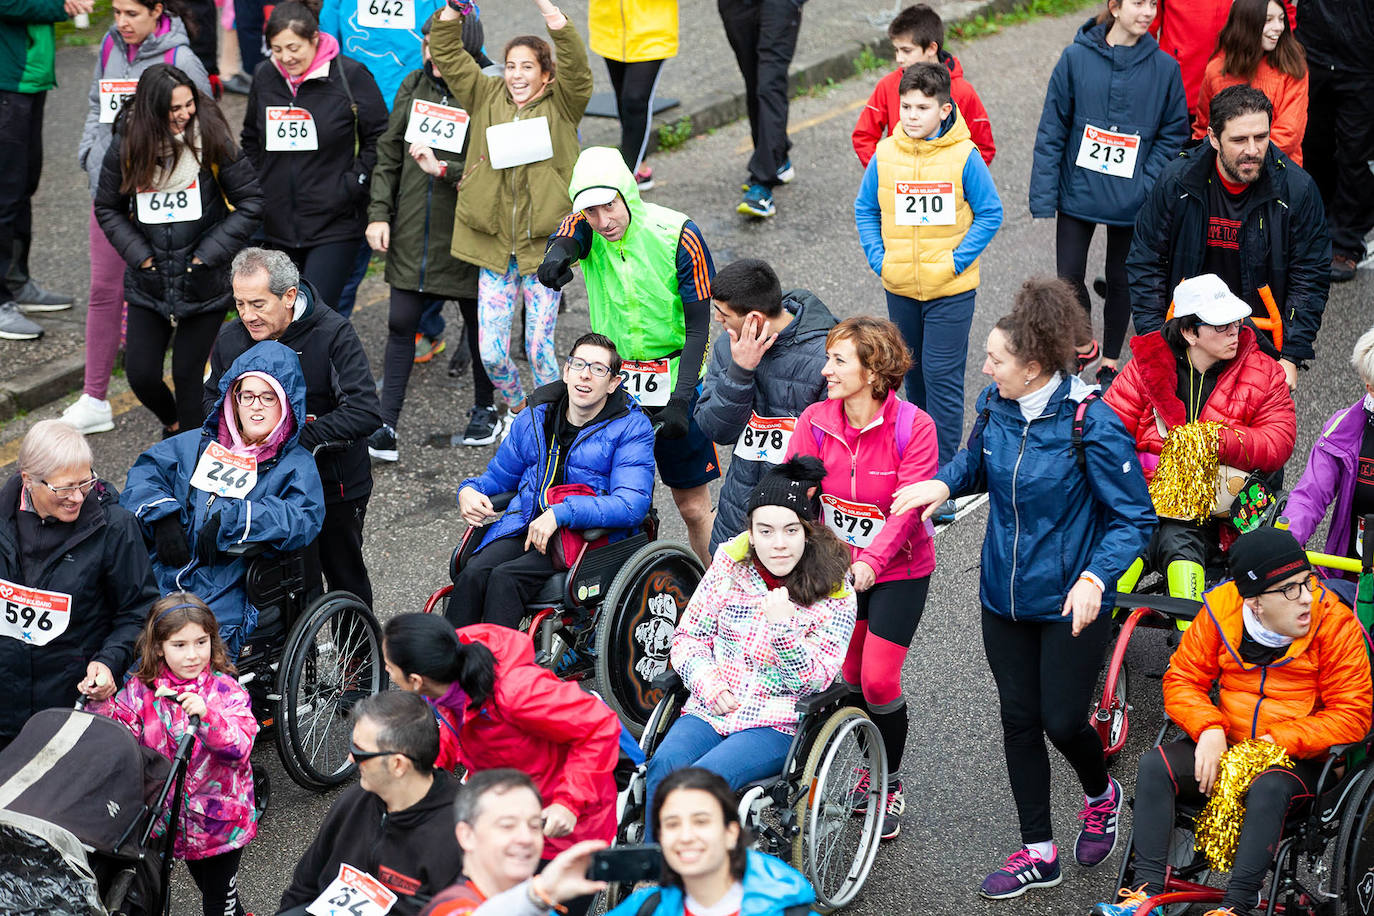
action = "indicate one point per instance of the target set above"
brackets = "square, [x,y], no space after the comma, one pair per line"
[1209,298]
[594,197]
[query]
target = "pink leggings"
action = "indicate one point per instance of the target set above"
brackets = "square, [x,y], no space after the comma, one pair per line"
[104,312]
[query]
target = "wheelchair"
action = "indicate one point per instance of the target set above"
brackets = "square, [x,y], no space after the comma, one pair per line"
[607,615]
[809,814]
[305,665]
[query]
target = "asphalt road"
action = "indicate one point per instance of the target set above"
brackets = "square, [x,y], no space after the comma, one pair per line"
[960,822]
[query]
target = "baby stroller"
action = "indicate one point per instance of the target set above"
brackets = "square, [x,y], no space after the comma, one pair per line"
[80,803]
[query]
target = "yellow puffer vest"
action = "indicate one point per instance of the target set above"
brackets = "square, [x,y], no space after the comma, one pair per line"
[918,261]
[633,30]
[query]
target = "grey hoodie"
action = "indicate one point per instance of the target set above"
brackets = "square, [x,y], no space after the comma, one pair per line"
[169,34]
[786,382]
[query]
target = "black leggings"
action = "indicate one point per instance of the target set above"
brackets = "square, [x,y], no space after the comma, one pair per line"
[1045,678]
[402,323]
[1166,775]
[327,267]
[634,85]
[1072,237]
[145,349]
[217,879]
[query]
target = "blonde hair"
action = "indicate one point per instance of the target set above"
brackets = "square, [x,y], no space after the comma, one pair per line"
[52,445]
[1363,357]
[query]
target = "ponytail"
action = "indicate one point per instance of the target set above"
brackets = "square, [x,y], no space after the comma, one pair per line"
[427,645]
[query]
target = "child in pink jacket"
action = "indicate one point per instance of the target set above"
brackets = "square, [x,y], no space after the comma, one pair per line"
[184,671]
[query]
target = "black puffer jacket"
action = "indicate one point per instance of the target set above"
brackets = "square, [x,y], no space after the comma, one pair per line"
[1338,34]
[319,196]
[174,285]
[341,402]
[1283,243]
[103,565]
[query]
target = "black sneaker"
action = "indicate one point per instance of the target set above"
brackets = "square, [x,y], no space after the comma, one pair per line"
[1105,376]
[1343,268]
[381,445]
[1090,359]
[484,425]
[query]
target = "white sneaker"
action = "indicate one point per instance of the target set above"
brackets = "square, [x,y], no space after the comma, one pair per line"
[89,415]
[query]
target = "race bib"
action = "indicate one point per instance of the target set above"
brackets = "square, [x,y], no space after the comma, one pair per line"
[646,380]
[386,14]
[1359,537]
[290,130]
[765,439]
[1108,153]
[32,615]
[156,207]
[439,126]
[112,96]
[519,142]
[925,203]
[857,524]
[353,893]
[221,472]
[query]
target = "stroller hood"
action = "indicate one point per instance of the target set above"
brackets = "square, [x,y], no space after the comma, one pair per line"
[48,870]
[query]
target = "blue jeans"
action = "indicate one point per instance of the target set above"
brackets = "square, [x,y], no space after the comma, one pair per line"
[937,333]
[741,758]
[350,288]
[432,322]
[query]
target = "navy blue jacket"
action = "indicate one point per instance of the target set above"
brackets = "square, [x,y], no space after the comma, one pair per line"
[1048,519]
[1134,90]
[614,455]
[284,510]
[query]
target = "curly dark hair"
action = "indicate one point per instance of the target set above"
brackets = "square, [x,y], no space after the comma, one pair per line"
[1045,323]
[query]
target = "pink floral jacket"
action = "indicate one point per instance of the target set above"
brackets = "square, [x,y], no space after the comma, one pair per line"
[217,814]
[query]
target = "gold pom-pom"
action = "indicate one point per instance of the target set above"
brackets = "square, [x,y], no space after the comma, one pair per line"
[1185,483]
[1217,829]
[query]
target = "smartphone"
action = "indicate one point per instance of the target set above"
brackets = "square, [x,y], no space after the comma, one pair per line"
[627,864]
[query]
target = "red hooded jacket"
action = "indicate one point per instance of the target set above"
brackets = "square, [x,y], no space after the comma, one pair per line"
[1188,30]
[884,112]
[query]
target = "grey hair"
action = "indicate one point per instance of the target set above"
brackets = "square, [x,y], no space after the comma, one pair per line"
[467,804]
[281,271]
[405,724]
[1363,357]
[52,445]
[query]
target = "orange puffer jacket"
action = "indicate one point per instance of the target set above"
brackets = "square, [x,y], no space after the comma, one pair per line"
[1316,695]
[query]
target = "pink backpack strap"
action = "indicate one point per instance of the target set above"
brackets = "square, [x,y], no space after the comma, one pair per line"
[906,416]
[106,48]
[169,57]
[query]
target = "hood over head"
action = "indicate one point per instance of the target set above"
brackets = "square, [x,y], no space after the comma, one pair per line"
[281,368]
[601,167]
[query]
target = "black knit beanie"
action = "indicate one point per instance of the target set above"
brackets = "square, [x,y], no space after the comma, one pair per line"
[1263,557]
[787,484]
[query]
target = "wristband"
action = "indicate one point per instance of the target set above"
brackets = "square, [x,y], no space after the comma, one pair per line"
[1086,576]
[543,901]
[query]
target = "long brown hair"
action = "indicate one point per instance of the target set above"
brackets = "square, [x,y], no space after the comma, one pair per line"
[821,570]
[166,617]
[1240,42]
[147,144]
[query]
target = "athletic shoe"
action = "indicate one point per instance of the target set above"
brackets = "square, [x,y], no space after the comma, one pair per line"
[858,796]
[381,445]
[34,298]
[644,178]
[238,84]
[893,808]
[1023,870]
[1097,837]
[426,348]
[89,415]
[758,201]
[945,514]
[484,425]
[1131,899]
[14,326]
[1100,286]
[786,173]
[1221,911]
[1089,360]
[1343,268]
[1105,376]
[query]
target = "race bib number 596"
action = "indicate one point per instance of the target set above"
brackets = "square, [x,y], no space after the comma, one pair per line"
[32,615]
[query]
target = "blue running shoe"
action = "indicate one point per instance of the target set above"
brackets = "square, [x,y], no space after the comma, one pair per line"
[758,201]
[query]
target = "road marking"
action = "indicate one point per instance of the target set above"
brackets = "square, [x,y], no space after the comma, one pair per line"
[970,506]
[747,145]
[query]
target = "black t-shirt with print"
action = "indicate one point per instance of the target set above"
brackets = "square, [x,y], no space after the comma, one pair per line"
[1224,211]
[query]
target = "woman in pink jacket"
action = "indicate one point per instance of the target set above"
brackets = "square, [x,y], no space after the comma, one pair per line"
[873,442]
[185,671]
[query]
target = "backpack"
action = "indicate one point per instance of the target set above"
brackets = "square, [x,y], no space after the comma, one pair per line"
[1081,411]
[906,415]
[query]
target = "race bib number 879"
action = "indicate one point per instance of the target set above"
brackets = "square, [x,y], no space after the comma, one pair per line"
[857,524]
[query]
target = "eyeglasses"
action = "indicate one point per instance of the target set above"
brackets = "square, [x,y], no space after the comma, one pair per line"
[1229,328]
[68,492]
[1292,591]
[359,755]
[600,370]
[247,399]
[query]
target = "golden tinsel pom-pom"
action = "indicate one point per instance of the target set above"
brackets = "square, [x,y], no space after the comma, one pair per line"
[1185,483]
[1217,829]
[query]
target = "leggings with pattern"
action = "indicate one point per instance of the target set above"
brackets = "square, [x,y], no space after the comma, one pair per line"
[498,295]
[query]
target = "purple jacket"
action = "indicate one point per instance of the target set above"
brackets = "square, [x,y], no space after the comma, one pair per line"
[1330,474]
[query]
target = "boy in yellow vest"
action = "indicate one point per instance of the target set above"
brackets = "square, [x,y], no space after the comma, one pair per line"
[925,211]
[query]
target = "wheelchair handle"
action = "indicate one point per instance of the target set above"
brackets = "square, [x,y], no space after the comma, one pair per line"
[1164,604]
[329,446]
[1344,564]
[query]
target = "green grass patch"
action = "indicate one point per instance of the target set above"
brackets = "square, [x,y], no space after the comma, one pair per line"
[671,136]
[868,61]
[69,36]
[1022,12]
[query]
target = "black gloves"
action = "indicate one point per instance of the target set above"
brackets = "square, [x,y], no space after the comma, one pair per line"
[556,271]
[170,540]
[207,540]
[674,419]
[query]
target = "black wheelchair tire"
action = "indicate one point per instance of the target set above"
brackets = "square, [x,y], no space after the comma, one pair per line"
[1355,854]
[309,762]
[262,792]
[624,610]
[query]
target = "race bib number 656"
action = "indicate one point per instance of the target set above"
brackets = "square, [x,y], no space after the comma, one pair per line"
[290,130]
[32,615]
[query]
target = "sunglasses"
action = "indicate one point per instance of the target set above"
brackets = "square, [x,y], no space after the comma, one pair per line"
[359,755]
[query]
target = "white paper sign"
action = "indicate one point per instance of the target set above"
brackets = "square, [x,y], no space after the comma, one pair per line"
[158,207]
[438,126]
[386,14]
[519,142]
[112,96]
[924,203]
[1109,153]
[353,893]
[221,472]
[646,380]
[765,439]
[290,130]
[32,615]
[857,524]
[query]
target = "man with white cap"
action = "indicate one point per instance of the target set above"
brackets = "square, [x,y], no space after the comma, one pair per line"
[1204,366]
[648,274]
[1238,208]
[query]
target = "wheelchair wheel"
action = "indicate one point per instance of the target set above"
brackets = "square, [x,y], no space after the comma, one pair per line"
[634,627]
[1356,849]
[836,846]
[1110,716]
[262,792]
[332,659]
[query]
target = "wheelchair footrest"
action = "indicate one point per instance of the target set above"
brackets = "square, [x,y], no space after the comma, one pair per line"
[1156,903]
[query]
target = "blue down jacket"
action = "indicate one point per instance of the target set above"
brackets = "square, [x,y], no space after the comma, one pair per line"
[1131,90]
[614,455]
[284,510]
